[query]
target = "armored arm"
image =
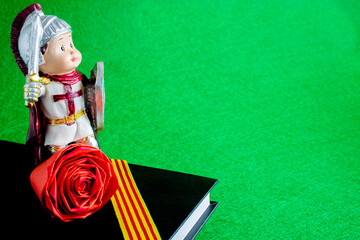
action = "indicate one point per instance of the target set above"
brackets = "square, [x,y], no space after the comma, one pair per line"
[34,88]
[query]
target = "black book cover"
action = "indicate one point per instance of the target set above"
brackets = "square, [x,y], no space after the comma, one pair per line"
[169,196]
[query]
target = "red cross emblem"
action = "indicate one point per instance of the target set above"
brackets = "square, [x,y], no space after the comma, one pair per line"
[69,98]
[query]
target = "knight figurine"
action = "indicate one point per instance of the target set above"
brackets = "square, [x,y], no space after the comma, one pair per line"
[56,93]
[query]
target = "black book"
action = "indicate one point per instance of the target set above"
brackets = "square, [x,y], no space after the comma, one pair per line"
[178,203]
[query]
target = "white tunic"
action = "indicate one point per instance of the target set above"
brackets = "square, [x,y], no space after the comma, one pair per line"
[64,134]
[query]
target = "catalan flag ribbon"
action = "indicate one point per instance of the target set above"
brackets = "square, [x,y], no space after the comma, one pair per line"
[131,211]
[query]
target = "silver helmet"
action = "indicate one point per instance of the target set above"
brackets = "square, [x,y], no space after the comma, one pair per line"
[53,27]
[38,29]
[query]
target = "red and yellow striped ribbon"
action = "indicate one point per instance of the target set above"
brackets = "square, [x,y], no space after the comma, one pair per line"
[133,216]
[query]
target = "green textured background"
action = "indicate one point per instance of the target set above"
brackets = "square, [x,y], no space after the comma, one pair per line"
[262,95]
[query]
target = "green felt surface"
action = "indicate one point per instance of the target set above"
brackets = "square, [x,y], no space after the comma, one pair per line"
[262,95]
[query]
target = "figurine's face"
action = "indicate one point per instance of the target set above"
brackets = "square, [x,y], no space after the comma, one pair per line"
[61,56]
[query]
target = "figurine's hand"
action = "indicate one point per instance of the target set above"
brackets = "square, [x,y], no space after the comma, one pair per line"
[34,88]
[32,92]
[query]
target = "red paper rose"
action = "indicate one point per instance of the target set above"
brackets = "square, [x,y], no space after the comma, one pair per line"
[74,182]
